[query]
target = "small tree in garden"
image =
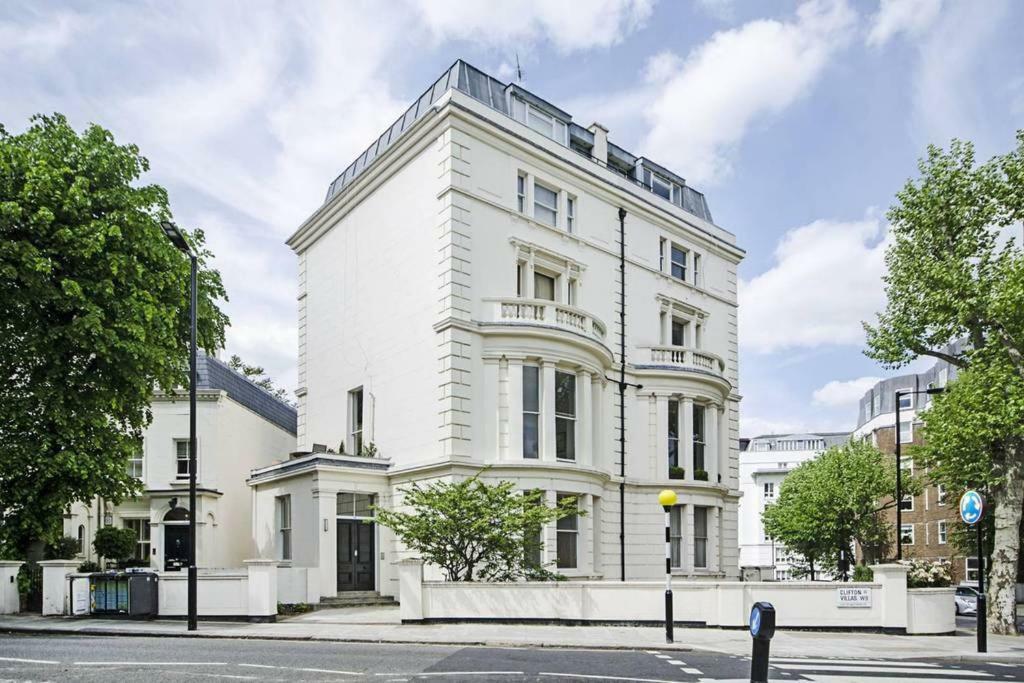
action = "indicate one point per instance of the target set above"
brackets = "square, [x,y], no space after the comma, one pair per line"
[115,544]
[473,530]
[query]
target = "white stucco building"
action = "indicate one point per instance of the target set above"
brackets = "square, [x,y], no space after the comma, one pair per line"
[763,465]
[459,309]
[239,427]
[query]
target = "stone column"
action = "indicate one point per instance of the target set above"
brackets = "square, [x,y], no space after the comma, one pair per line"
[56,592]
[686,545]
[514,450]
[584,539]
[893,579]
[584,419]
[10,601]
[528,290]
[661,438]
[492,404]
[666,328]
[599,458]
[410,589]
[327,540]
[686,436]
[713,455]
[262,586]
[724,447]
[549,553]
[547,411]
[714,538]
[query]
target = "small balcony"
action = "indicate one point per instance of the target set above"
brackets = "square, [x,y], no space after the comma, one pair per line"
[683,358]
[543,313]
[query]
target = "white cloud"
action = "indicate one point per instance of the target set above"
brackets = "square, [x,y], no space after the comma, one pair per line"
[837,394]
[826,279]
[42,39]
[569,26]
[911,17]
[753,425]
[699,116]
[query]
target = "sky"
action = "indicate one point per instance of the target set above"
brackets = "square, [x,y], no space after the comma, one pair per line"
[799,120]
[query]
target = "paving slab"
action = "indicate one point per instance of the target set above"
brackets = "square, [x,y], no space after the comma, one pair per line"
[381,625]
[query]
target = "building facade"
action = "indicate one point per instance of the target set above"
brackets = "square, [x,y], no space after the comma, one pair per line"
[764,464]
[929,518]
[459,313]
[239,427]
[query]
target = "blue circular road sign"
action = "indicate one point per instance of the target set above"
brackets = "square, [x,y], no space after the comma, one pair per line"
[755,621]
[972,507]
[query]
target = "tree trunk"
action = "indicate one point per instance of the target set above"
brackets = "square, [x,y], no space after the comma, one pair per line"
[1007,504]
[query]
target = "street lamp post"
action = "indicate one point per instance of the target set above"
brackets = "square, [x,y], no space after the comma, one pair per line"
[178,240]
[667,499]
[899,469]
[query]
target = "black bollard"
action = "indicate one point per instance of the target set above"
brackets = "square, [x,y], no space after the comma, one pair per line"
[762,628]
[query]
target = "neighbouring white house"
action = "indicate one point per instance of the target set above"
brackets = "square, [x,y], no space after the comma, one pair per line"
[459,309]
[239,427]
[764,464]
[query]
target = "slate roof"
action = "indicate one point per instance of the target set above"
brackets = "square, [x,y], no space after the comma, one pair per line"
[214,374]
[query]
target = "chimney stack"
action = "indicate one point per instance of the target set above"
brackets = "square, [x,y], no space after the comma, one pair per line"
[600,151]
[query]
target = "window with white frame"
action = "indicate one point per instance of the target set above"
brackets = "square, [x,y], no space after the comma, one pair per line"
[531,411]
[81,539]
[181,458]
[521,193]
[699,429]
[906,431]
[971,569]
[565,416]
[284,526]
[568,537]
[907,534]
[876,404]
[673,434]
[907,503]
[545,204]
[943,533]
[141,529]
[906,401]
[134,466]
[675,535]
[679,328]
[943,377]
[355,420]
[700,537]
[696,269]
[543,286]
[661,254]
[769,492]
[678,262]
[540,121]
[940,494]
[570,214]
[907,464]
[661,187]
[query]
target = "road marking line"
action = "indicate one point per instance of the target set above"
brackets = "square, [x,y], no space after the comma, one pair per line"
[260,666]
[607,678]
[859,662]
[423,674]
[676,662]
[822,678]
[884,670]
[651,652]
[27,661]
[692,671]
[663,656]
[151,663]
[329,671]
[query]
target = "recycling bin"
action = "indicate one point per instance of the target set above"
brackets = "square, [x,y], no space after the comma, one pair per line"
[130,594]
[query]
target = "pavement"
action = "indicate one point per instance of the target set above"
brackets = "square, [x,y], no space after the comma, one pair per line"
[33,658]
[382,625]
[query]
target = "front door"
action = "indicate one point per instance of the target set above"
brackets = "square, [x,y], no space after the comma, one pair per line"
[175,547]
[355,555]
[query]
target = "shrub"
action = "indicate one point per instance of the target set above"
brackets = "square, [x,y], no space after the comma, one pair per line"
[927,574]
[89,567]
[65,548]
[863,573]
[700,475]
[115,544]
[676,473]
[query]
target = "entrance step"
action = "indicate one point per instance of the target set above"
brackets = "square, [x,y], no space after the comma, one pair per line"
[358,599]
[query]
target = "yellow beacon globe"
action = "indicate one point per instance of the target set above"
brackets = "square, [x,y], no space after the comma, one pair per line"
[667,498]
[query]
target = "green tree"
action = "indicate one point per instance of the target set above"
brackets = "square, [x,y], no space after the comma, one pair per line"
[259,377]
[953,274]
[114,544]
[828,503]
[473,530]
[95,317]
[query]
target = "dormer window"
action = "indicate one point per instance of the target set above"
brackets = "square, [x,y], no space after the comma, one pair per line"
[661,187]
[540,121]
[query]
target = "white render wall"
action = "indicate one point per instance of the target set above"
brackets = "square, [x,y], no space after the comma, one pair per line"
[399,277]
[232,440]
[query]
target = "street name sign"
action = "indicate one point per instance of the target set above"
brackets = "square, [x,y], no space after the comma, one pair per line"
[972,507]
[853,597]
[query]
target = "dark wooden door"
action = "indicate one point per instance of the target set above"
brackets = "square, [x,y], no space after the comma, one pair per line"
[355,555]
[175,547]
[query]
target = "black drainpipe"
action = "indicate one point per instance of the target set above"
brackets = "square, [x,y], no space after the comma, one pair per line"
[622,393]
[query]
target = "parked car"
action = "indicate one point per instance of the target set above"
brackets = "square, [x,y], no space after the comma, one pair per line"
[966,599]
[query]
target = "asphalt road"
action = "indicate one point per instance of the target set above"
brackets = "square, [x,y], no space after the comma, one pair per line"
[153,660]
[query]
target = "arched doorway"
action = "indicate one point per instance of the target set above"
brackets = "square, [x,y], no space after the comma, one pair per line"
[176,539]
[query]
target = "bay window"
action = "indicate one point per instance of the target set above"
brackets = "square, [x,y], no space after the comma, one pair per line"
[699,470]
[568,537]
[531,411]
[673,439]
[565,416]
[700,537]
